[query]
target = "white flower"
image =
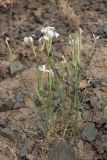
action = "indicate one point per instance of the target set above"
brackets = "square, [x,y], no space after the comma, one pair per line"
[50,32]
[95,37]
[45,29]
[44,38]
[43,69]
[29,39]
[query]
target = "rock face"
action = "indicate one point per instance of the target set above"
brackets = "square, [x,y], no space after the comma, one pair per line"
[89,132]
[61,150]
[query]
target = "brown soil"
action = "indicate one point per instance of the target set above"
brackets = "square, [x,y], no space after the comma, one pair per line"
[26,18]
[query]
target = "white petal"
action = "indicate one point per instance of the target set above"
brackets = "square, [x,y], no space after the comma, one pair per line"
[40,39]
[46,38]
[26,39]
[97,37]
[42,68]
[30,39]
[56,35]
[50,33]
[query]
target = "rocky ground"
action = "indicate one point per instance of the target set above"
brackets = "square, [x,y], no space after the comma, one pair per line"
[20,134]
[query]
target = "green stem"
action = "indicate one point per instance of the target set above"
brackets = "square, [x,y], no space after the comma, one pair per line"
[37,91]
[33,48]
[10,51]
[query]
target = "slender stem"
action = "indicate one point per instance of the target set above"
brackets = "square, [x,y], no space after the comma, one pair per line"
[33,48]
[37,91]
[10,51]
[93,49]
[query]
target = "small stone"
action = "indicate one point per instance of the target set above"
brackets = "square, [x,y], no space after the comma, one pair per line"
[89,132]
[61,150]
[15,67]
[95,82]
[101,30]
[50,8]
[6,106]
[19,97]
[23,152]
[7,132]
[93,102]
[19,100]
[17,105]
[57,55]
[3,122]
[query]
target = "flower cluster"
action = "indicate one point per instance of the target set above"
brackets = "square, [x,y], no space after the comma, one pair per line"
[49,32]
[29,39]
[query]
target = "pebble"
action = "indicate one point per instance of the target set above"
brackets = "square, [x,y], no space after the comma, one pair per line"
[3,122]
[23,152]
[89,132]
[95,82]
[61,150]
[7,133]
[50,8]
[19,100]
[6,106]
[93,102]
[15,67]
[57,55]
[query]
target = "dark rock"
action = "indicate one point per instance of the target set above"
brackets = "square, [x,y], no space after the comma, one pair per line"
[46,16]
[95,82]
[101,30]
[101,144]
[6,106]
[3,122]
[50,8]
[19,100]
[2,54]
[23,152]
[15,67]
[61,150]
[19,97]
[4,72]
[89,132]
[24,147]
[57,55]
[17,105]
[93,102]
[7,133]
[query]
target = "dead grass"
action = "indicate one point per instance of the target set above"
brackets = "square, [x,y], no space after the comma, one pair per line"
[67,11]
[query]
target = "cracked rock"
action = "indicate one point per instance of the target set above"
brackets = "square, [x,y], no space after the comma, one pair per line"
[89,132]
